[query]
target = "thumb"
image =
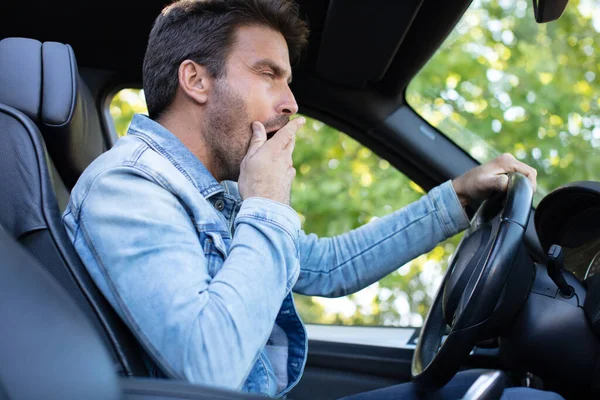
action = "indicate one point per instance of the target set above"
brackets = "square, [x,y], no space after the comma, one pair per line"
[259,137]
[500,183]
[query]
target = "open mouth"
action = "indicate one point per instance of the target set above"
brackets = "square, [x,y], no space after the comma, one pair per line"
[273,127]
[272,133]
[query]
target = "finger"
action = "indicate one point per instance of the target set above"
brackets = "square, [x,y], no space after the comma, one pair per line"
[292,172]
[532,176]
[508,163]
[290,146]
[283,137]
[500,183]
[505,162]
[529,172]
[259,137]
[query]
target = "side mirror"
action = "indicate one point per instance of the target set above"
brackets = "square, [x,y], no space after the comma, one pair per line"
[548,10]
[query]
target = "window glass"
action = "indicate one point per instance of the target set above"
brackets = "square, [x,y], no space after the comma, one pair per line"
[341,185]
[503,83]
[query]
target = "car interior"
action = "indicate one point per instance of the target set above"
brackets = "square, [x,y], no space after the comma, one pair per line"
[520,299]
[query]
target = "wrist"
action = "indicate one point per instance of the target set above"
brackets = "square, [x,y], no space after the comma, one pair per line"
[460,193]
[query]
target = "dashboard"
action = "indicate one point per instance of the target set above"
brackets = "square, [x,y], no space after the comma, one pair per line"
[583,261]
[569,216]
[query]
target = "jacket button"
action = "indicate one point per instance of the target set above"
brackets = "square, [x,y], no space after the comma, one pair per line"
[219,205]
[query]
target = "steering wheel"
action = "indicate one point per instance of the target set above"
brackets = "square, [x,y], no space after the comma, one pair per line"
[472,285]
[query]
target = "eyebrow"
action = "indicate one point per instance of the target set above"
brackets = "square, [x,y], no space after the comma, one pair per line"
[277,70]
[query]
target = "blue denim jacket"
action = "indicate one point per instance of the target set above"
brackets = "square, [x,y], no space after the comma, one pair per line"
[204,279]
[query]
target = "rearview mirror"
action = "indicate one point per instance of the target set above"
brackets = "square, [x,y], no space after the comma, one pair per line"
[548,10]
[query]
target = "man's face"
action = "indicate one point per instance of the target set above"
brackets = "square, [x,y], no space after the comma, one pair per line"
[254,88]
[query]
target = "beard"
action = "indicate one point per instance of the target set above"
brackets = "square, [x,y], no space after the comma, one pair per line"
[229,132]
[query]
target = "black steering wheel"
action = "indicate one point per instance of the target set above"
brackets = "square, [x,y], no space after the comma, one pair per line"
[472,285]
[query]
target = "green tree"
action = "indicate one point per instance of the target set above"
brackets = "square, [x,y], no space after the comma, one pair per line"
[503,83]
[340,186]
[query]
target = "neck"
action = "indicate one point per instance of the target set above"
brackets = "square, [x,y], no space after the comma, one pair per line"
[190,133]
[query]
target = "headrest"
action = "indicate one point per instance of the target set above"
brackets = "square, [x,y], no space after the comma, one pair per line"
[42,81]
[38,79]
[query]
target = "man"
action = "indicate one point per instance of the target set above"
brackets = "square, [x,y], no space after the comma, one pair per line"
[202,272]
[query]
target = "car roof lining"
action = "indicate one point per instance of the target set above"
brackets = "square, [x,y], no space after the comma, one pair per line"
[371,48]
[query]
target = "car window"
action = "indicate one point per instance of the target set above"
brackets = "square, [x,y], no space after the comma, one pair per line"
[503,83]
[341,185]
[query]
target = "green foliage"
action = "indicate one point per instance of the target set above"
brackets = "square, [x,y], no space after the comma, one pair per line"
[340,186]
[500,83]
[122,107]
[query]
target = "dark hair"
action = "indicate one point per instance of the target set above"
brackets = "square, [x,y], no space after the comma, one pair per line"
[202,31]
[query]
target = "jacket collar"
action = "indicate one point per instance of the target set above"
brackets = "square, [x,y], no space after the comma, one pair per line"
[164,142]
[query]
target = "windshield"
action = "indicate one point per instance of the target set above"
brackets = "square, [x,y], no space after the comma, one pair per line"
[503,83]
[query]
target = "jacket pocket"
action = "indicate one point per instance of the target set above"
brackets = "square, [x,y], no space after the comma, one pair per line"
[258,379]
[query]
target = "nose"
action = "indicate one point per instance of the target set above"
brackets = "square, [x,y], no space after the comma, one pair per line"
[287,104]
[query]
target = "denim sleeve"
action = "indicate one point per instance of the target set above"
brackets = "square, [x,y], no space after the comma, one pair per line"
[152,264]
[344,264]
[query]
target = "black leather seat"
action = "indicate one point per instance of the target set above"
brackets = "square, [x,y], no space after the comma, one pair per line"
[49,350]
[71,128]
[40,87]
[73,141]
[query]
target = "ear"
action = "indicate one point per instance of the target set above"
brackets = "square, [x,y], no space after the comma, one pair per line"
[194,80]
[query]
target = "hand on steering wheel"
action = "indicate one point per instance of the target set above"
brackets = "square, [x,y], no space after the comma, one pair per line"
[473,284]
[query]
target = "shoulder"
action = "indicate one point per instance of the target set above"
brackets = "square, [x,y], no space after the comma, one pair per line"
[131,171]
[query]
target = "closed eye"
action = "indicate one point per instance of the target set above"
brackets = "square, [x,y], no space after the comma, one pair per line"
[273,70]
